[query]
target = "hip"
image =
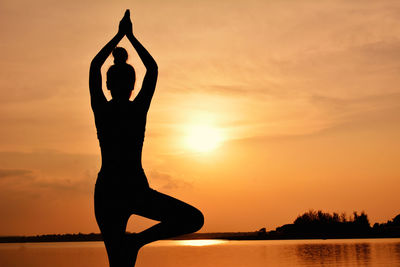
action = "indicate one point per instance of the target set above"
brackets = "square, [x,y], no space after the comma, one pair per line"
[116,196]
[119,182]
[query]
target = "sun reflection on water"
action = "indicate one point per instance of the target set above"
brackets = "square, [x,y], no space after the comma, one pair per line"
[200,242]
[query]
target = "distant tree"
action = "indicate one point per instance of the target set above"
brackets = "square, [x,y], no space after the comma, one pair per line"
[389,229]
[396,220]
[262,230]
[361,220]
[319,222]
[343,217]
[319,217]
[336,217]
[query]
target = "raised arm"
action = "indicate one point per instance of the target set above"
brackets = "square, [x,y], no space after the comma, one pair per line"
[150,79]
[96,92]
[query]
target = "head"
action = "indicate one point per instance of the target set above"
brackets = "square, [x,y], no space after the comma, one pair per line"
[120,76]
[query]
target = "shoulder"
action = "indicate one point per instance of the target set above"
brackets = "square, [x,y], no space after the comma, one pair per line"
[138,107]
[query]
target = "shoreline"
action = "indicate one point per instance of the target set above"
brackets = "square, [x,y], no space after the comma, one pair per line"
[235,236]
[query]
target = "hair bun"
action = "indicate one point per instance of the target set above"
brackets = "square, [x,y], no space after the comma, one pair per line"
[120,55]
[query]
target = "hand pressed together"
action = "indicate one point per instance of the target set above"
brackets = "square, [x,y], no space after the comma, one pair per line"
[125,25]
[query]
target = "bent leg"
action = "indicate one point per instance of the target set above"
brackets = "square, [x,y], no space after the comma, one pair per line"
[175,216]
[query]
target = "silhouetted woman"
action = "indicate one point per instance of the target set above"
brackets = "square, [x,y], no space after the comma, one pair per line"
[122,188]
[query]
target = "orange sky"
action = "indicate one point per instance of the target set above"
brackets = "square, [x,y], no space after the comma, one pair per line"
[305,94]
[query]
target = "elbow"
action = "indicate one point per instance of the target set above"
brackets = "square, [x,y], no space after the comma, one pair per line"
[151,65]
[153,68]
[94,64]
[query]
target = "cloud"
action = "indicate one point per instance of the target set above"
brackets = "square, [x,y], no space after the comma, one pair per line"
[6,173]
[225,90]
[339,110]
[16,180]
[167,182]
[51,172]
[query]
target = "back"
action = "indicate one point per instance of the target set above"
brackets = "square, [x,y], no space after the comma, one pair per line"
[120,130]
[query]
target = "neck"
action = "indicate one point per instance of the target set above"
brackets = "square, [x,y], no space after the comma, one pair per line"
[120,100]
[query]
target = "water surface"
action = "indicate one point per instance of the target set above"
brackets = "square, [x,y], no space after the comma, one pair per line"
[350,252]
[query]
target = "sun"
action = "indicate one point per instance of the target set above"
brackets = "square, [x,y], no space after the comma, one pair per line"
[203,138]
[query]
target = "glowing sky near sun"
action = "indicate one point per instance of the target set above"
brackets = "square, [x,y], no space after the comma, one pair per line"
[263,109]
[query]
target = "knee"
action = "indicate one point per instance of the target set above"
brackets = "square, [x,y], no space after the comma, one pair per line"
[195,220]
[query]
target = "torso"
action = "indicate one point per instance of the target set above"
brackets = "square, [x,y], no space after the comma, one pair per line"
[120,130]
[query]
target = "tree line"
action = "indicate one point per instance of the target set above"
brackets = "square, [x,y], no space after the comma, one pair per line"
[319,224]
